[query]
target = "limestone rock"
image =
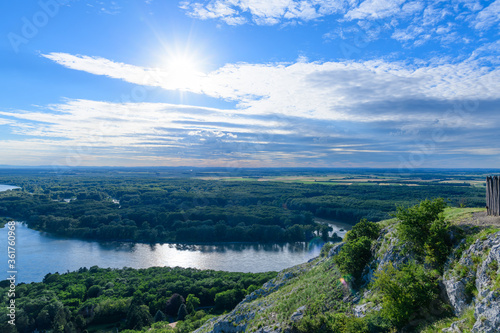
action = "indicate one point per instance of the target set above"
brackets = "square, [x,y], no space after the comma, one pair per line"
[455,327]
[387,249]
[478,267]
[487,314]
[455,290]
[335,250]
[297,315]
[362,310]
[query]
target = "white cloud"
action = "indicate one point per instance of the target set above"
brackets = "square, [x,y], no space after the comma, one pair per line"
[400,19]
[375,9]
[329,90]
[5,121]
[261,12]
[488,16]
[96,123]
[285,111]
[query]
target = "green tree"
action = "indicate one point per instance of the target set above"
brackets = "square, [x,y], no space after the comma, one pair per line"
[415,222]
[182,313]
[159,316]
[424,228]
[94,291]
[192,302]
[363,228]
[138,317]
[228,299]
[404,291]
[438,245]
[354,256]
[173,304]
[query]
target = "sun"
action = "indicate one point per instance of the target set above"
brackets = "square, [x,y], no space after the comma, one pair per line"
[183,71]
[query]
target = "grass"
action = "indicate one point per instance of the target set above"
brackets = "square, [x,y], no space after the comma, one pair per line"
[320,289]
[455,215]
[465,326]
[386,223]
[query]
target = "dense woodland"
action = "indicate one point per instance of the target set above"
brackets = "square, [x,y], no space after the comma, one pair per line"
[125,298]
[145,208]
[152,207]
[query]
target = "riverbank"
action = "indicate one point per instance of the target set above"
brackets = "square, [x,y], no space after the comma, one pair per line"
[60,255]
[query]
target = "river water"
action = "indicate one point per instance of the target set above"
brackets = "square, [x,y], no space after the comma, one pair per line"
[7,187]
[39,253]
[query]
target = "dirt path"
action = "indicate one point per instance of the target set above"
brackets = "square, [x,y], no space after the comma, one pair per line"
[480,219]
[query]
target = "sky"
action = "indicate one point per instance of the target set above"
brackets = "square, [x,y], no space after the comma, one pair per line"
[250,83]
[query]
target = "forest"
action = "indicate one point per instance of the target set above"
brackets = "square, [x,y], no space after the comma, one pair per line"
[147,207]
[97,298]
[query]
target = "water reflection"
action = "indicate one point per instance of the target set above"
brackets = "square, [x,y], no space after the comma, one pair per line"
[39,254]
[7,187]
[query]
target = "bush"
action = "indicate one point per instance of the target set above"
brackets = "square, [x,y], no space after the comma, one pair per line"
[423,227]
[325,249]
[363,228]
[438,244]
[354,256]
[405,291]
[330,322]
[415,222]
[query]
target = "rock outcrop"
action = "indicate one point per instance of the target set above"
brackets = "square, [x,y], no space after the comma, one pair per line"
[471,283]
[237,320]
[387,249]
[476,273]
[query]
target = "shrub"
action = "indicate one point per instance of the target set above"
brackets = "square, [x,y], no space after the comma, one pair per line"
[405,291]
[438,244]
[325,249]
[363,228]
[354,256]
[330,322]
[415,222]
[423,227]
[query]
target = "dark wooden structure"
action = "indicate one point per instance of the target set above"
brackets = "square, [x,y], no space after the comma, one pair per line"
[493,195]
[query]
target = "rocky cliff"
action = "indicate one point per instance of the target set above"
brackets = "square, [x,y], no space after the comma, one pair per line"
[316,294]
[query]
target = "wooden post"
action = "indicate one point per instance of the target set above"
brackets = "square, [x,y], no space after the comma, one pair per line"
[493,195]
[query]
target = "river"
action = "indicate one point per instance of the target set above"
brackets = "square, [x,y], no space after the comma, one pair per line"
[7,187]
[39,253]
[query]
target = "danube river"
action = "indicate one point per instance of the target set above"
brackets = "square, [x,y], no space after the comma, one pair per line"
[39,253]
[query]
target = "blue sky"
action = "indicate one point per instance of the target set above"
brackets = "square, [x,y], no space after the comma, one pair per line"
[250,83]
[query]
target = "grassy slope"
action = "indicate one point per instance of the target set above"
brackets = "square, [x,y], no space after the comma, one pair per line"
[318,286]
[320,289]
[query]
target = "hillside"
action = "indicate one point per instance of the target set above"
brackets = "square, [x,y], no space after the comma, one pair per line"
[413,294]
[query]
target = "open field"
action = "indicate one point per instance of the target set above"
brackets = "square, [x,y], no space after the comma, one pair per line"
[368,178]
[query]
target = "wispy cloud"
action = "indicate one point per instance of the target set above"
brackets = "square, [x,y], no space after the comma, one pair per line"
[237,12]
[287,114]
[328,90]
[413,23]
[84,132]
[375,9]
[488,17]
